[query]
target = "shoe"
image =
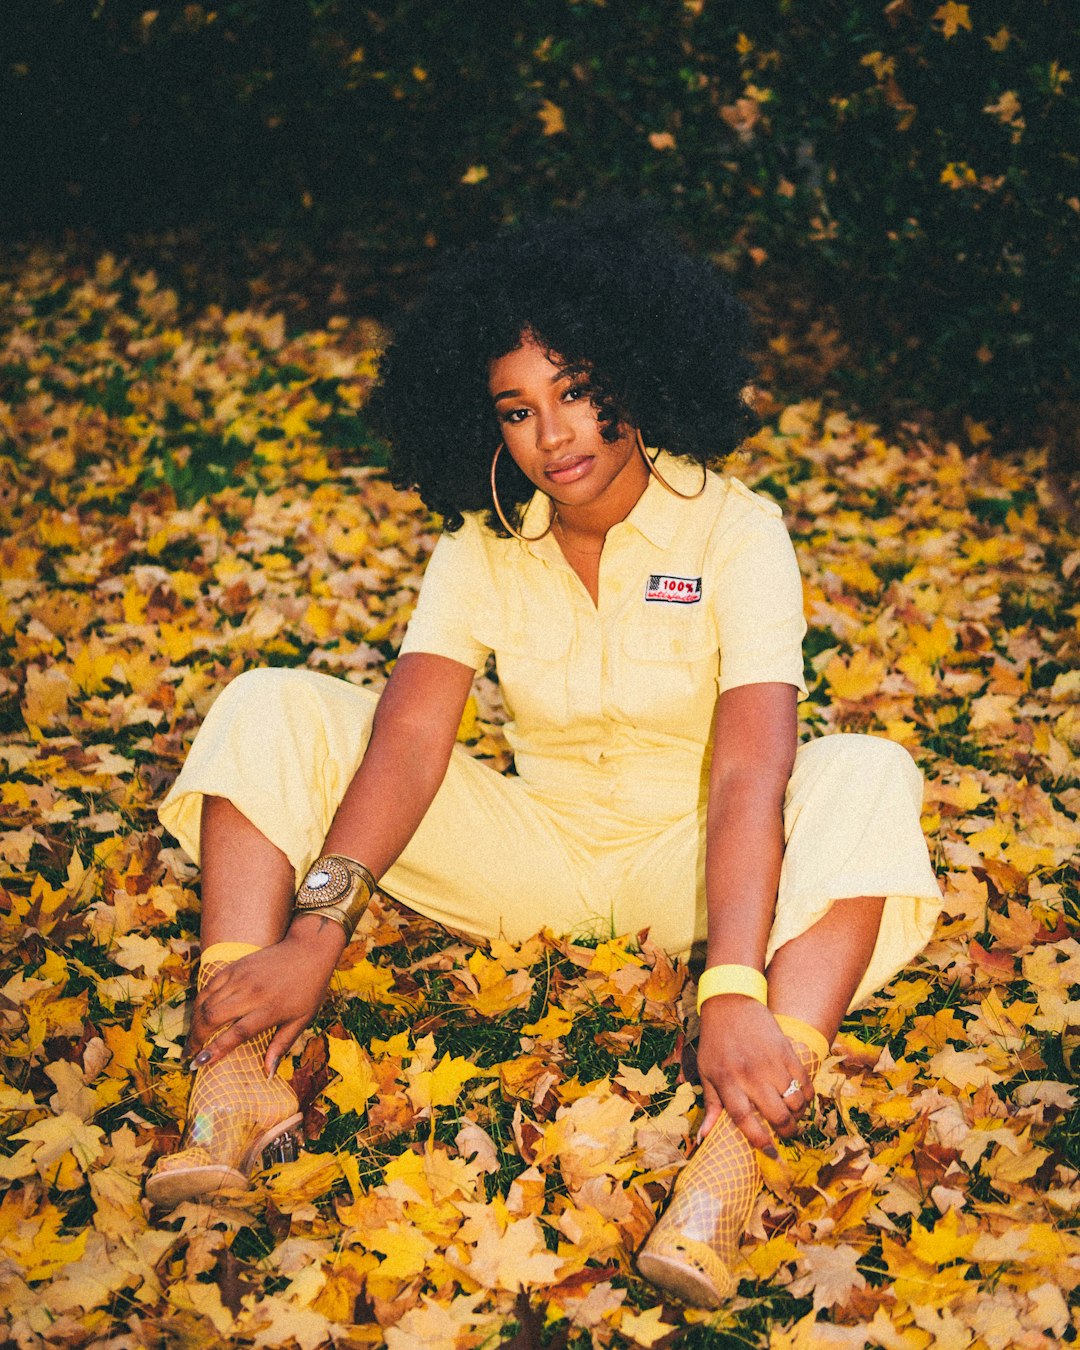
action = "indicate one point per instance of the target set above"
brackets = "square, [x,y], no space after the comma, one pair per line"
[694,1247]
[691,1250]
[689,1269]
[194,1174]
[237,1119]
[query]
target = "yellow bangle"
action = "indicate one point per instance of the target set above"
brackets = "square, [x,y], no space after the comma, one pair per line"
[732,980]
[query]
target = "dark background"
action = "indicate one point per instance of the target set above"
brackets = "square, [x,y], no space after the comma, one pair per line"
[909,170]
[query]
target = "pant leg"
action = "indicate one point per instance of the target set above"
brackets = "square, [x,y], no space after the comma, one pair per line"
[283,745]
[851,825]
[851,828]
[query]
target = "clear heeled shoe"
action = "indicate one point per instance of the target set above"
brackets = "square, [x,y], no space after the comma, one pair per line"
[237,1121]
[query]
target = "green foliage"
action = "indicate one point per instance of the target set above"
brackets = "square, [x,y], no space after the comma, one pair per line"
[913,163]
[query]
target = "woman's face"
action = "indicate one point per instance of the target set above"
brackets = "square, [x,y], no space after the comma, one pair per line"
[551,429]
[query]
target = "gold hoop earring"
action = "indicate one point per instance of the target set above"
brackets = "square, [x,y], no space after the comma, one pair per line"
[525,538]
[685,496]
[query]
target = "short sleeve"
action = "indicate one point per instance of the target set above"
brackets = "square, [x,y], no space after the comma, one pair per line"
[758,598]
[445,618]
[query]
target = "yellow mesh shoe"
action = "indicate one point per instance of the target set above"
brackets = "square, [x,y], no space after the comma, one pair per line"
[693,1248]
[237,1119]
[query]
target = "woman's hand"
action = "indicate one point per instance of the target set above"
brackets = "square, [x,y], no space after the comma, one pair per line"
[746,1063]
[283,985]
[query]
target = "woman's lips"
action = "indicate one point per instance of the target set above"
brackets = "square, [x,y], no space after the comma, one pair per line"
[570,469]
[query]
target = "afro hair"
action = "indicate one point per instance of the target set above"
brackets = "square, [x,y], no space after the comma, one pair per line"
[605,290]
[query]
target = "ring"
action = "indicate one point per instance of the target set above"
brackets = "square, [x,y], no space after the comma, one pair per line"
[791,1089]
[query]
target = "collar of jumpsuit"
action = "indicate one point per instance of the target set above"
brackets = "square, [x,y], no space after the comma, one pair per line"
[655,513]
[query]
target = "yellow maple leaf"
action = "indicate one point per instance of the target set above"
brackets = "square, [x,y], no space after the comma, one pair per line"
[134,952]
[63,1145]
[552,118]
[644,1083]
[934,1031]
[556,1022]
[372,983]
[37,1246]
[612,955]
[952,18]
[1005,1166]
[856,678]
[130,1050]
[175,641]
[957,175]
[296,421]
[858,573]
[320,620]
[943,1243]
[396,1045]
[497,991]
[766,1258]
[440,1086]
[45,703]
[117,1195]
[440,1326]
[646,1328]
[498,1252]
[357,1084]
[919,673]
[527,1075]
[932,643]
[295,1184]
[92,667]
[406,1249]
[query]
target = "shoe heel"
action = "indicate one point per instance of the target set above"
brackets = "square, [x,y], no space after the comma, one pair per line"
[285,1148]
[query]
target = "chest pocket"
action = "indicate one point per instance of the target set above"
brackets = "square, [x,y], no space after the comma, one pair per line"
[670,635]
[532,662]
[666,677]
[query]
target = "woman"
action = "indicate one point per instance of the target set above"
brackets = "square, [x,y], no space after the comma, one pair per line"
[646,618]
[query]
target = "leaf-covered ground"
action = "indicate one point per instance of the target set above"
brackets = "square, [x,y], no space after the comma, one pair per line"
[491,1130]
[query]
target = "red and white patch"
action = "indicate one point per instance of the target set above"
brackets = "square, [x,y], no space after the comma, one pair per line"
[674,590]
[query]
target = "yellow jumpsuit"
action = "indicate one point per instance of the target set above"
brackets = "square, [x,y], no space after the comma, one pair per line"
[602,830]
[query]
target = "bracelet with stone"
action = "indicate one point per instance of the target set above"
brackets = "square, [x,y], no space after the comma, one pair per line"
[338,888]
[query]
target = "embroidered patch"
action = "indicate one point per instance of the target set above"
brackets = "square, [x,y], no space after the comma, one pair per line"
[674,590]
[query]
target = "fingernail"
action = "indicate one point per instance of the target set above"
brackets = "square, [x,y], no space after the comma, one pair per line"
[770,1152]
[203,1057]
[272,1068]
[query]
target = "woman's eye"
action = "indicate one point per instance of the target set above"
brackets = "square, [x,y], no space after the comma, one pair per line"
[514,416]
[577,391]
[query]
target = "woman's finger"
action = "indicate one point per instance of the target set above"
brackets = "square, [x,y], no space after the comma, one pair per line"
[713,1107]
[282,1043]
[749,1119]
[208,1017]
[240,1031]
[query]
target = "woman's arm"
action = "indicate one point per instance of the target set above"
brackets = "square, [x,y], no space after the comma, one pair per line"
[283,985]
[413,733]
[743,1057]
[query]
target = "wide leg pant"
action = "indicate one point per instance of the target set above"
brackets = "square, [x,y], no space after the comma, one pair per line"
[496,857]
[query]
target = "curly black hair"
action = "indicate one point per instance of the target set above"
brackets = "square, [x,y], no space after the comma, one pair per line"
[607,290]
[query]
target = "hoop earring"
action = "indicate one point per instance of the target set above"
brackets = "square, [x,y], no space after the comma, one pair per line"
[525,538]
[685,496]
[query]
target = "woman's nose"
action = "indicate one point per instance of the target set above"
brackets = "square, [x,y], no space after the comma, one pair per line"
[552,430]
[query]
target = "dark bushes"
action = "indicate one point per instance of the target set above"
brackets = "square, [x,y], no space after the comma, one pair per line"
[915,164]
